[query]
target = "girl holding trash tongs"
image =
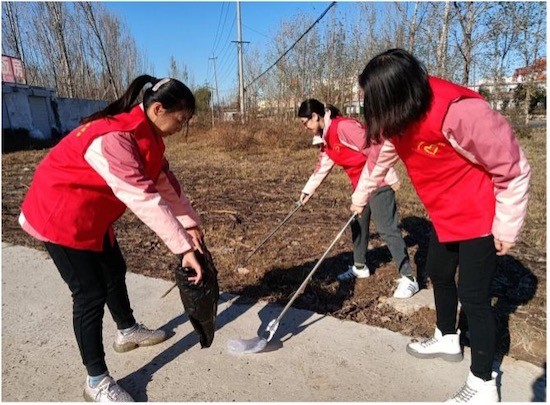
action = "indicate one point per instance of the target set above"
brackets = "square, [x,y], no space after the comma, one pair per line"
[342,142]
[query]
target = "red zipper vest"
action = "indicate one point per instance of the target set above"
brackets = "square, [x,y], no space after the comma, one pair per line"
[350,160]
[458,195]
[68,202]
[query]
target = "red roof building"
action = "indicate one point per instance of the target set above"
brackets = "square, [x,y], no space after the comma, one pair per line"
[535,72]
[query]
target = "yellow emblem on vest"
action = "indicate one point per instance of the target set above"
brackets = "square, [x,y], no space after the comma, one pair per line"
[430,148]
[83,128]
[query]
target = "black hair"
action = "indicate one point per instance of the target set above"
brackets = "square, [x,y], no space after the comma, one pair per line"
[311,105]
[172,94]
[396,93]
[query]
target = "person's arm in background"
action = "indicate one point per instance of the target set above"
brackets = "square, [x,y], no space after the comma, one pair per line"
[352,134]
[115,157]
[322,169]
[484,137]
[381,159]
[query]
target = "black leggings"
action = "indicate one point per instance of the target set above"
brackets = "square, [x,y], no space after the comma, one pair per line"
[95,279]
[476,260]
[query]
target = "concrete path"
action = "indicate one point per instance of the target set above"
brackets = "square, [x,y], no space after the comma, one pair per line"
[311,358]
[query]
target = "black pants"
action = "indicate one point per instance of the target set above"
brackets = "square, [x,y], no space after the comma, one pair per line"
[383,210]
[95,279]
[476,260]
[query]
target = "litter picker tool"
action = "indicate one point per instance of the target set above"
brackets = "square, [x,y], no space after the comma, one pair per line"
[269,235]
[264,240]
[259,343]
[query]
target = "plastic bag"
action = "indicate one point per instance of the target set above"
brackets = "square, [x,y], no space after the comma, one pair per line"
[200,301]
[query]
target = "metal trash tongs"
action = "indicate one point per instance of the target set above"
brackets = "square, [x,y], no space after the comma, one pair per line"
[269,235]
[264,240]
[274,324]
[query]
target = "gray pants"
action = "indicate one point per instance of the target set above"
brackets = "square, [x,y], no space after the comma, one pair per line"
[384,212]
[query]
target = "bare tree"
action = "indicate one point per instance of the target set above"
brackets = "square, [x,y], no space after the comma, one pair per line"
[177,71]
[468,14]
[11,30]
[531,22]
[58,18]
[413,23]
[89,11]
[443,42]
[252,69]
[79,49]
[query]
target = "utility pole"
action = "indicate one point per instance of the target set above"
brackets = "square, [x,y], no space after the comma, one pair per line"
[207,85]
[216,82]
[240,54]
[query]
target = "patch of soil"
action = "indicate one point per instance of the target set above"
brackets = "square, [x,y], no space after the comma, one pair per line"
[242,195]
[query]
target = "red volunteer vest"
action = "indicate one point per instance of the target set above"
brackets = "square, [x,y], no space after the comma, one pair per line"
[68,202]
[350,160]
[458,195]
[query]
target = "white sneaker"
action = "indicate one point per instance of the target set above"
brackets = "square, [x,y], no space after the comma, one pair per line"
[447,347]
[106,391]
[477,390]
[142,336]
[406,288]
[353,272]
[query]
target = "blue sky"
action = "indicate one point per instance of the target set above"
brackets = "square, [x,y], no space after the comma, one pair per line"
[193,31]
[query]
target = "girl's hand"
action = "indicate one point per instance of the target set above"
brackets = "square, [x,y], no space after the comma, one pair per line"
[304,198]
[189,260]
[503,247]
[197,236]
[396,186]
[356,208]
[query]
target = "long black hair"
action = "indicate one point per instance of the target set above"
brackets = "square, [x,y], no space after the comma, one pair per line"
[312,105]
[396,93]
[171,93]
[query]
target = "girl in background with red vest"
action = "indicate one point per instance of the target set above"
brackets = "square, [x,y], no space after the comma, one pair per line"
[342,142]
[113,161]
[471,175]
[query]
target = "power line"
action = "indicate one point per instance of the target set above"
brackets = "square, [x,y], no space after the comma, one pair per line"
[294,44]
[227,69]
[218,31]
[257,32]
[224,53]
[218,28]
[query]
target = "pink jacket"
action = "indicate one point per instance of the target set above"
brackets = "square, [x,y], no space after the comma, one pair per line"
[465,126]
[159,204]
[351,135]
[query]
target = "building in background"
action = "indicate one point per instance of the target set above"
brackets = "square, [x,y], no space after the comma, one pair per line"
[534,73]
[35,109]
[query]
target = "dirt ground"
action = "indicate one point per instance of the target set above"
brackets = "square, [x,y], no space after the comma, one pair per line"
[243,182]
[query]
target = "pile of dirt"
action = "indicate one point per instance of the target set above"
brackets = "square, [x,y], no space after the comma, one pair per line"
[242,195]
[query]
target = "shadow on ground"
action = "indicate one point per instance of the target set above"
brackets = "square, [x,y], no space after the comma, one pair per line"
[136,382]
[281,282]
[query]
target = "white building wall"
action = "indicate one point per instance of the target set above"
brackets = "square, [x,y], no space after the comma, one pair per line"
[17,110]
[39,111]
[72,110]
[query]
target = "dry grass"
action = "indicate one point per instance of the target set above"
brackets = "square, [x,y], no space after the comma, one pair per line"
[243,180]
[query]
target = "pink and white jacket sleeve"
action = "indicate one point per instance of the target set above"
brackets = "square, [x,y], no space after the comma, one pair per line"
[382,158]
[170,189]
[352,135]
[323,168]
[484,137]
[115,157]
